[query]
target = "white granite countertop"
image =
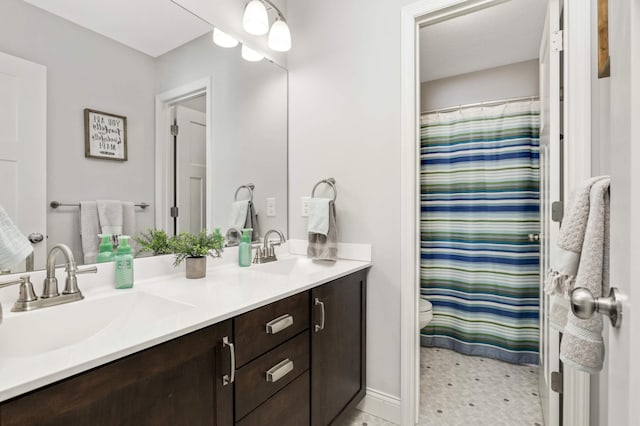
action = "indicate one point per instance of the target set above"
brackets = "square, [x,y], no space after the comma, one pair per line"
[43,346]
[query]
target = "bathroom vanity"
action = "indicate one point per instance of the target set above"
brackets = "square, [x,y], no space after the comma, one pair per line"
[295,357]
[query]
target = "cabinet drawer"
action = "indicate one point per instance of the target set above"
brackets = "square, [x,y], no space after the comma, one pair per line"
[284,363]
[289,407]
[264,328]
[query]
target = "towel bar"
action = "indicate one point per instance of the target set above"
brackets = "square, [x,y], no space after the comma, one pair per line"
[56,204]
[250,187]
[329,181]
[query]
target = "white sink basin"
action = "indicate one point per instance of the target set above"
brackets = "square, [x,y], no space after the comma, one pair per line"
[291,266]
[48,329]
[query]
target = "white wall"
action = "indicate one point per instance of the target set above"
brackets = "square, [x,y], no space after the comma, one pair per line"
[249,131]
[85,70]
[345,123]
[505,82]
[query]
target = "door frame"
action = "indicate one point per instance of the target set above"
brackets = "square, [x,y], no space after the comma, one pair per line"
[577,45]
[164,101]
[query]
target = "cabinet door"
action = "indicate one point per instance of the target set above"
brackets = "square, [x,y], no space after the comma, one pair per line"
[178,382]
[337,347]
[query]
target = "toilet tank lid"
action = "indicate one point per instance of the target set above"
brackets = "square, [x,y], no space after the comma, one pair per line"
[425,305]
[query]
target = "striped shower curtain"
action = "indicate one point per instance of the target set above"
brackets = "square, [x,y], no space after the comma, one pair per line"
[479,202]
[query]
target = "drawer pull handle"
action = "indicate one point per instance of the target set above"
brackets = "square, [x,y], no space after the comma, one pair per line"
[227,379]
[277,325]
[320,327]
[279,370]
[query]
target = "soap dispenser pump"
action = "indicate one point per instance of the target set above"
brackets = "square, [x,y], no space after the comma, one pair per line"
[244,248]
[105,252]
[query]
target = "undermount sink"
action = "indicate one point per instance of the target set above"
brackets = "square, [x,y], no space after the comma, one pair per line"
[37,332]
[293,265]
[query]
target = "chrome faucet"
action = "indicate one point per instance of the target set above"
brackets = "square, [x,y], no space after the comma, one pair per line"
[268,252]
[27,300]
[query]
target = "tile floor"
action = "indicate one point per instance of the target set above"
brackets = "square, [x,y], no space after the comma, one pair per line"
[460,390]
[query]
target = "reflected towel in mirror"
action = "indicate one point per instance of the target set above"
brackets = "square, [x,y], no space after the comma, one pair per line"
[14,246]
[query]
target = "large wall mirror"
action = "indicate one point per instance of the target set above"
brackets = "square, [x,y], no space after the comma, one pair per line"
[155,64]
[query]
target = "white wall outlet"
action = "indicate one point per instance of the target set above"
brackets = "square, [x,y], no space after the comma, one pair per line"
[271,207]
[305,206]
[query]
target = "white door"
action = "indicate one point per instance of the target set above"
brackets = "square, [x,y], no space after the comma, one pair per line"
[622,349]
[192,169]
[23,133]
[550,184]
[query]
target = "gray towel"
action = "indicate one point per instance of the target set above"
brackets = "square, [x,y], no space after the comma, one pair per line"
[325,247]
[582,346]
[252,222]
[89,230]
[14,246]
[565,257]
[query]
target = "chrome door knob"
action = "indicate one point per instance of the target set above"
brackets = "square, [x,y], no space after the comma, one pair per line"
[534,237]
[35,237]
[584,305]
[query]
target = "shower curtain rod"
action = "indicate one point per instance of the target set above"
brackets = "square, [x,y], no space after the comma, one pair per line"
[477,104]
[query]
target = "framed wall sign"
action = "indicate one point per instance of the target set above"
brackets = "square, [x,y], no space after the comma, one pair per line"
[105,135]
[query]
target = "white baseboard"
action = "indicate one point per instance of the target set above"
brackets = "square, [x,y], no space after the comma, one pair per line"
[381,405]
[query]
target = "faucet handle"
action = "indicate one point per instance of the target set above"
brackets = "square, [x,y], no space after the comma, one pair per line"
[71,283]
[25,295]
[89,270]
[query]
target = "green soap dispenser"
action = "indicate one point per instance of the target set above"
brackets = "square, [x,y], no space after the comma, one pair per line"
[124,264]
[244,248]
[105,253]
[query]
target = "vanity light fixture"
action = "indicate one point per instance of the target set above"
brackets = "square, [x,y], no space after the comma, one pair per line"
[256,21]
[250,55]
[280,36]
[223,39]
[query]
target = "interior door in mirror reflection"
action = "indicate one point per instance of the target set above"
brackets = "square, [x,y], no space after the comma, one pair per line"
[23,132]
[191,169]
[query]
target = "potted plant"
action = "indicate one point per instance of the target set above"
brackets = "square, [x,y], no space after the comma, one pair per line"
[195,249]
[154,241]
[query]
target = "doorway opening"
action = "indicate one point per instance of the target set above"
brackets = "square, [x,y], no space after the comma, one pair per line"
[183,158]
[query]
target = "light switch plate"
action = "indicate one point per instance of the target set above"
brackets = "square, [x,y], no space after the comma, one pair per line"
[271,207]
[305,206]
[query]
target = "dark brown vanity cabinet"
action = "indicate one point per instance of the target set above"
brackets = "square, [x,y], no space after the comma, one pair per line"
[176,383]
[338,347]
[298,361]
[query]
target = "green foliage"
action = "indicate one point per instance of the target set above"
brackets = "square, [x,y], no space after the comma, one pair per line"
[189,245]
[154,241]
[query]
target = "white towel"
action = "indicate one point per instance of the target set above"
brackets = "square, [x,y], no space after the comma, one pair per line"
[111,218]
[14,246]
[128,218]
[89,230]
[238,214]
[318,222]
[582,345]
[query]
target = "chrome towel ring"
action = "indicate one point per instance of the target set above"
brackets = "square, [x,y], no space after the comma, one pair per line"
[331,182]
[249,187]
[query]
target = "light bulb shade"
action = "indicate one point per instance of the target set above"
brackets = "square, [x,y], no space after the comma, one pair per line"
[255,20]
[250,55]
[223,39]
[280,36]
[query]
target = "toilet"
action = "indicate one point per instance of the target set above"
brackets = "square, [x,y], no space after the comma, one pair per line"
[426,312]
